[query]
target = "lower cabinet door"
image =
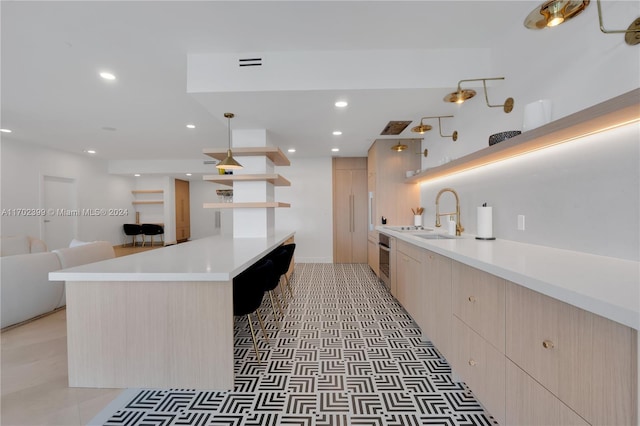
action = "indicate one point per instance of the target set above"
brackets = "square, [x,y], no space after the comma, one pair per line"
[530,404]
[481,367]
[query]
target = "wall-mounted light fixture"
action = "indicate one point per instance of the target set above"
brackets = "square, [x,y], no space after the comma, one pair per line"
[460,95]
[631,34]
[422,128]
[402,144]
[555,12]
[229,163]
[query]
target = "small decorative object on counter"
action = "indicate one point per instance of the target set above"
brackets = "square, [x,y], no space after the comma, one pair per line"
[417,216]
[485,223]
[502,136]
[451,226]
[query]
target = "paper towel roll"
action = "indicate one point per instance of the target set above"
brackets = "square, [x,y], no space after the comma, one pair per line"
[485,222]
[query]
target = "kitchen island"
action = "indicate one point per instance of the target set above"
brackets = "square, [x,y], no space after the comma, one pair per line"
[158,319]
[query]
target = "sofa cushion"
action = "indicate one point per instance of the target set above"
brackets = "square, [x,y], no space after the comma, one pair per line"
[26,291]
[88,253]
[11,246]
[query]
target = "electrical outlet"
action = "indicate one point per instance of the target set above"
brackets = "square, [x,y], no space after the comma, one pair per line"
[520,222]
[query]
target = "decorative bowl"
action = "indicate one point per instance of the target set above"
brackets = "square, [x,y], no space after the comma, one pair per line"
[502,136]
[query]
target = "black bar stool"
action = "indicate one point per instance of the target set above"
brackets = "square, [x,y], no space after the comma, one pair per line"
[248,292]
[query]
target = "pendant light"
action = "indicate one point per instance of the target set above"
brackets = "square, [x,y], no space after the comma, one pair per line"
[229,163]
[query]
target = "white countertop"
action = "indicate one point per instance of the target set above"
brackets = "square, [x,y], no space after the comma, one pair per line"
[216,258]
[605,286]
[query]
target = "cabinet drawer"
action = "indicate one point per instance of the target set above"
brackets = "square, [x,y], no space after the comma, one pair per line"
[529,403]
[481,366]
[551,341]
[479,299]
[410,250]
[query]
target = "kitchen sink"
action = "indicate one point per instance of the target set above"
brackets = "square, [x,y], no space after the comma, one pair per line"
[435,236]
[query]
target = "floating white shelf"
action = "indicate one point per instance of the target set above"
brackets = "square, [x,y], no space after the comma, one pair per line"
[147,191]
[615,112]
[228,180]
[273,153]
[148,202]
[245,205]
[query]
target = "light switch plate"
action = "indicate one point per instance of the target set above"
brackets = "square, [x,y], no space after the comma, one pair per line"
[520,222]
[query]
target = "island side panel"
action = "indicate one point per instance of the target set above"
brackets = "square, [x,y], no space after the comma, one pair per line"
[150,334]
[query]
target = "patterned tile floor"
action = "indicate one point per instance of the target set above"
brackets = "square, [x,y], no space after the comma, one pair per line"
[347,354]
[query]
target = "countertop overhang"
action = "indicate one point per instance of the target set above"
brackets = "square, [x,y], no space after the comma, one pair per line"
[215,258]
[605,286]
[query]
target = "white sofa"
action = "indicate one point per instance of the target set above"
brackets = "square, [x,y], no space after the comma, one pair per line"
[26,291]
[21,244]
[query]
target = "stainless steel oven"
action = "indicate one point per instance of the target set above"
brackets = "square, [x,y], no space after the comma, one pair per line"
[384,265]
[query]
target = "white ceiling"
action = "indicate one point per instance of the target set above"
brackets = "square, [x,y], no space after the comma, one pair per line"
[52,52]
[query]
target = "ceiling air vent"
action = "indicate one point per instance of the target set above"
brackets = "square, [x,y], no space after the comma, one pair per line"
[395,127]
[250,62]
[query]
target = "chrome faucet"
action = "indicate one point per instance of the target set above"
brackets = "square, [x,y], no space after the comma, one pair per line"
[459,227]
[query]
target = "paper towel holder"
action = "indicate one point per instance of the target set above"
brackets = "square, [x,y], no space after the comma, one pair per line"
[483,238]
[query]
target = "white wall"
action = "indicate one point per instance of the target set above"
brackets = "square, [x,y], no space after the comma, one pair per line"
[580,197]
[310,214]
[23,166]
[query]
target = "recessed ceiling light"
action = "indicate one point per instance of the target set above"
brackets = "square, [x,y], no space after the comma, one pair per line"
[137,175]
[5,130]
[335,149]
[90,151]
[341,104]
[107,75]
[337,133]
[291,150]
[191,126]
[188,174]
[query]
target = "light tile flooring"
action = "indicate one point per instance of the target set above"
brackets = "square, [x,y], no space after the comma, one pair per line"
[347,354]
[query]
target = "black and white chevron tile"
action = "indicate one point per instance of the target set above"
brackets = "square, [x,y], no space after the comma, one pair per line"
[346,354]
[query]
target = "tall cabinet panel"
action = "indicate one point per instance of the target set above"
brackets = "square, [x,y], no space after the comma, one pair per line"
[350,200]
[183,216]
[390,196]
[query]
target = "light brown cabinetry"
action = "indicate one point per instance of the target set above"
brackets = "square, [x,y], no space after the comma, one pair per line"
[183,211]
[437,282]
[529,403]
[350,235]
[373,253]
[391,197]
[410,290]
[478,335]
[586,361]
[481,366]
[478,300]
[530,359]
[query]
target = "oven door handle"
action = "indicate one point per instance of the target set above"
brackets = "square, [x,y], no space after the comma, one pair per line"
[385,248]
